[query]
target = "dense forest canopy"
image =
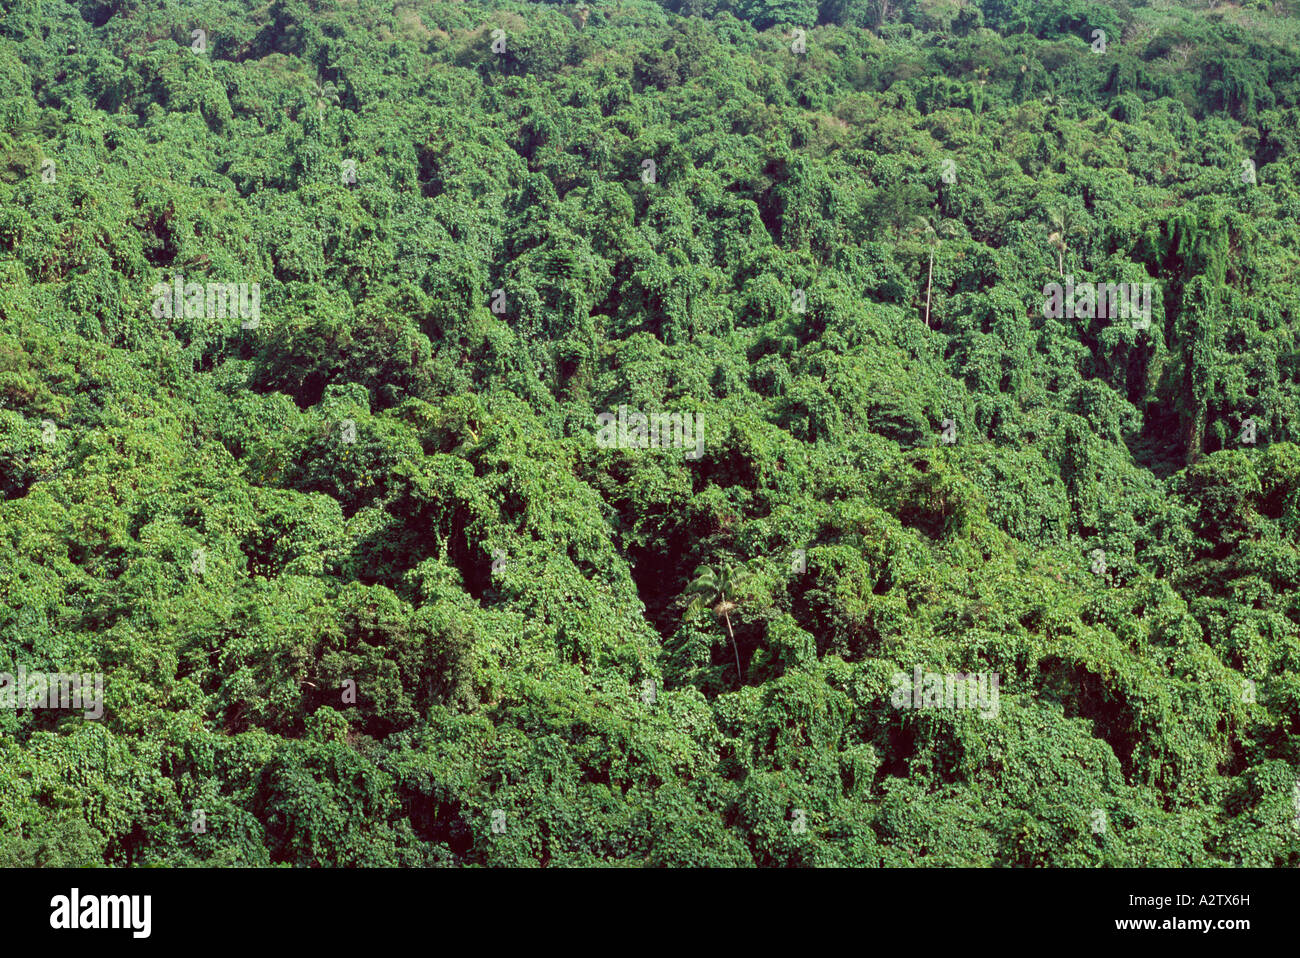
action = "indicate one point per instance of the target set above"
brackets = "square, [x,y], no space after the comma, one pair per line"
[513,433]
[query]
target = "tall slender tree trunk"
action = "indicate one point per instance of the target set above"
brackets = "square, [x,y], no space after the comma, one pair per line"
[734,647]
[1060,262]
[928,280]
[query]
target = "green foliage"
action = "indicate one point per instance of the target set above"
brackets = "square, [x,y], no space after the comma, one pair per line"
[367,589]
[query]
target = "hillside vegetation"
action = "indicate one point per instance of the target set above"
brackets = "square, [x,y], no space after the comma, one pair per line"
[367,587]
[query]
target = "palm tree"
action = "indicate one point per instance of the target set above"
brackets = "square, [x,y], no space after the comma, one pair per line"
[931,233]
[324,93]
[715,586]
[1061,223]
